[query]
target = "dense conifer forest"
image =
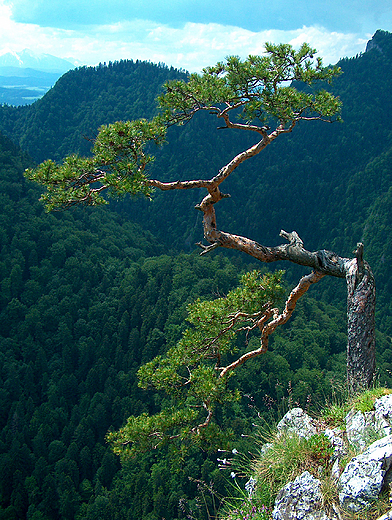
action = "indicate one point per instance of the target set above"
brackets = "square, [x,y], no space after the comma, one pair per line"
[88,296]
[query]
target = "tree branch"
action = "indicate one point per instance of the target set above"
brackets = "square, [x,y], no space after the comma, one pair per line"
[278,319]
[324,261]
[196,429]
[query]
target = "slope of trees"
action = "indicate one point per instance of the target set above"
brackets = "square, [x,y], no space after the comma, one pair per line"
[83,99]
[85,299]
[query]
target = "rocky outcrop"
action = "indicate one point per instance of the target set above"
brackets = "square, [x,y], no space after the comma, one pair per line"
[372,44]
[335,437]
[298,422]
[361,481]
[383,414]
[364,428]
[361,429]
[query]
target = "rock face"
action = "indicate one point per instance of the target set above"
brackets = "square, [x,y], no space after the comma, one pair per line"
[301,500]
[360,428]
[362,480]
[364,428]
[335,437]
[383,413]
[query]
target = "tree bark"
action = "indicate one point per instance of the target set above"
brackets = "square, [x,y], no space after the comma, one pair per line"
[361,340]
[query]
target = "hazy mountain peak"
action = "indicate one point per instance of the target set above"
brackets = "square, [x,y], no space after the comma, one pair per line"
[32,60]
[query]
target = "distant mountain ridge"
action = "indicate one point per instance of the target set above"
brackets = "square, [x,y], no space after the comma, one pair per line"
[123,90]
[28,59]
[26,76]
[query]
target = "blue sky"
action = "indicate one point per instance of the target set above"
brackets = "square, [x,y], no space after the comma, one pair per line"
[188,34]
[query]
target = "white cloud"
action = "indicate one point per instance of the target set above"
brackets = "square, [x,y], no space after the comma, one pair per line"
[18,36]
[331,46]
[197,45]
[190,47]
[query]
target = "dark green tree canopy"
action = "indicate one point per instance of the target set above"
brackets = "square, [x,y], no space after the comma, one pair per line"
[194,373]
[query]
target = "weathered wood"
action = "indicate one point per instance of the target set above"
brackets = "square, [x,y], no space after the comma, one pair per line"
[360,286]
[361,293]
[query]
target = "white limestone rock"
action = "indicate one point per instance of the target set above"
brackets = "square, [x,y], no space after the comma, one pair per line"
[363,429]
[301,500]
[383,408]
[335,470]
[335,437]
[363,478]
[298,422]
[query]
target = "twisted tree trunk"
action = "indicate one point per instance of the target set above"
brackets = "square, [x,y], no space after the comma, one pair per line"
[361,292]
[358,274]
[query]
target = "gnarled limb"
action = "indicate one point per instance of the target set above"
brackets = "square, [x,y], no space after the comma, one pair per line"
[359,277]
[357,272]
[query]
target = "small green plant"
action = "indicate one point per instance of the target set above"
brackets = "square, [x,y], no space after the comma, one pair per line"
[336,407]
[333,415]
[320,449]
[330,495]
[286,457]
[245,505]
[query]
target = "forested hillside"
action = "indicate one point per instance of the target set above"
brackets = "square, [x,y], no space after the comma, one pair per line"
[64,120]
[87,296]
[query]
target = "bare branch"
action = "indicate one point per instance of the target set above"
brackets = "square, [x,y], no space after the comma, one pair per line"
[196,429]
[223,173]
